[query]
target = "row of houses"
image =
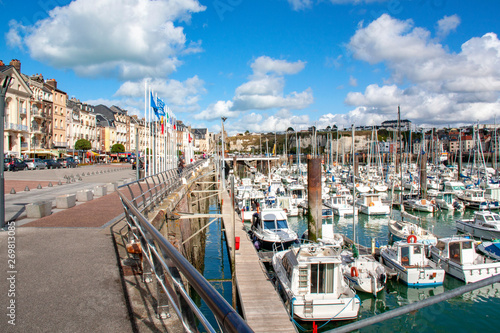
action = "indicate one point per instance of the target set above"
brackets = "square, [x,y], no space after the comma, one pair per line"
[41,120]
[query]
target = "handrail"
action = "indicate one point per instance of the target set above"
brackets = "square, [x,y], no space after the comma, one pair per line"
[155,187]
[228,319]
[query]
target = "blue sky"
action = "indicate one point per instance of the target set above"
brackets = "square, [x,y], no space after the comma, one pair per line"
[268,65]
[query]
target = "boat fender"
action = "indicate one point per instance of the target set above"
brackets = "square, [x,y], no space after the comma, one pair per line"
[354,271]
[410,238]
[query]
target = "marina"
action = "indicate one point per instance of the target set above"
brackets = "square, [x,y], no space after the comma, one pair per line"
[483,303]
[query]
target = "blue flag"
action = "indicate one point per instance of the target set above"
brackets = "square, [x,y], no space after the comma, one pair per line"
[153,105]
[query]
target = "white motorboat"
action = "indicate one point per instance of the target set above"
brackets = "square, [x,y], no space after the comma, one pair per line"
[447,201]
[409,231]
[454,187]
[411,264]
[458,257]
[484,225]
[371,204]
[340,206]
[474,198]
[363,272]
[311,281]
[270,230]
[421,205]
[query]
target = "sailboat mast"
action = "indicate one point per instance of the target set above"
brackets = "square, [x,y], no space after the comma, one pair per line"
[353,190]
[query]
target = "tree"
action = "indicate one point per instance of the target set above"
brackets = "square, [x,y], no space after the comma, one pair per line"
[83,144]
[118,148]
[290,129]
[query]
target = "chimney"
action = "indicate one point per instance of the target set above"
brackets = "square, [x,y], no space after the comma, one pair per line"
[1,63]
[16,64]
[52,83]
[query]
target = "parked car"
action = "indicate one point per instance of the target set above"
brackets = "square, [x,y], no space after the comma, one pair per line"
[35,163]
[52,164]
[70,162]
[67,162]
[14,164]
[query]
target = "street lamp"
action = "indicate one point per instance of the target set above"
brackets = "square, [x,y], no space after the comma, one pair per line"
[3,92]
[137,164]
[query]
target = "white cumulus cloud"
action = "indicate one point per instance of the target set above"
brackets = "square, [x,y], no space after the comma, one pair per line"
[446,25]
[440,87]
[128,39]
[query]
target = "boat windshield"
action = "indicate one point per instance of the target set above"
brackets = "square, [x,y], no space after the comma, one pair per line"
[269,224]
[281,224]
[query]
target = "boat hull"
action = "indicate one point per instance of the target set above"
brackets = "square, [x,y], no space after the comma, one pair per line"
[466,226]
[325,310]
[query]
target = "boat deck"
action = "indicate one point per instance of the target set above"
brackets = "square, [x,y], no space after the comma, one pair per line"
[261,305]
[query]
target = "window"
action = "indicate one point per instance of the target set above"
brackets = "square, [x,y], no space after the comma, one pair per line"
[322,278]
[269,224]
[281,224]
[467,245]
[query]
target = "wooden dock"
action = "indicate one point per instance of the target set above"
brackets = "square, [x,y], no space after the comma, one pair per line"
[261,305]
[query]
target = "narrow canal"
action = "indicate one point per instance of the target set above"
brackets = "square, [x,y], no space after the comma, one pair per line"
[477,311]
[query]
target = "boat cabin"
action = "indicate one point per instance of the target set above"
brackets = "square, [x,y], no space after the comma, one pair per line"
[370,199]
[487,219]
[411,254]
[274,220]
[317,269]
[339,200]
[455,187]
[459,250]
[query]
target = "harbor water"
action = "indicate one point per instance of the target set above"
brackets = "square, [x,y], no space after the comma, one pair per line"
[477,311]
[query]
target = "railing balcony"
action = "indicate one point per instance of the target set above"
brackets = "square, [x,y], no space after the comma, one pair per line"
[16,127]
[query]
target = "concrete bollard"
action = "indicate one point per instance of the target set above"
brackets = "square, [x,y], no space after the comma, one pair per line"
[99,191]
[84,195]
[39,209]
[111,187]
[66,201]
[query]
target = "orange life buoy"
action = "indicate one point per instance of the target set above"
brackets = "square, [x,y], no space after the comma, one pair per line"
[372,204]
[410,237]
[433,201]
[354,271]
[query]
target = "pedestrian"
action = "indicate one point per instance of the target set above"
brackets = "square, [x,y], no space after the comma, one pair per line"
[181,164]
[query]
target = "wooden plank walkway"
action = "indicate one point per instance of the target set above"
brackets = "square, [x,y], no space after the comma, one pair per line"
[261,305]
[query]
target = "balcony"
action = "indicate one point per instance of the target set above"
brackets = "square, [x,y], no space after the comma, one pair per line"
[60,144]
[16,127]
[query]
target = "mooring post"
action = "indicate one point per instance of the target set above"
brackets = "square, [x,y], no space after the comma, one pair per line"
[423,176]
[314,198]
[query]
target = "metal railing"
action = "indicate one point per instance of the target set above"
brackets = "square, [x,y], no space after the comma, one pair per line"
[147,193]
[169,266]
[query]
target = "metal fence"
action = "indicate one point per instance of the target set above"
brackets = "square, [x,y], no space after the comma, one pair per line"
[168,266]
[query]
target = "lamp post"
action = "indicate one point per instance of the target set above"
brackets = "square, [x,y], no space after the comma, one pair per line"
[137,164]
[3,92]
[223,119]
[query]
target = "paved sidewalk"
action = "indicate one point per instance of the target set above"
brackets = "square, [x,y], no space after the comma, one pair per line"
[67,277]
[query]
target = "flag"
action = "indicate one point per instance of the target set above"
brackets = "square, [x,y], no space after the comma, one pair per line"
[153,105]
[162,126]
[161,106]
[190,138]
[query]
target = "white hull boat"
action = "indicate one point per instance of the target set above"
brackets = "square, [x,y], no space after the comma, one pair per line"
[484,225]
[310,279]
[364,273]
[458,257]
[411,264]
